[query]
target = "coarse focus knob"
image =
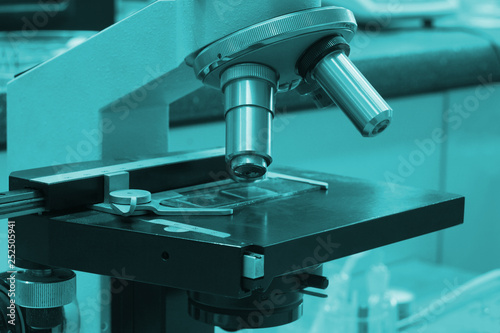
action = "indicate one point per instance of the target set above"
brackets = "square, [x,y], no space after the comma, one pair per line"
[42,289]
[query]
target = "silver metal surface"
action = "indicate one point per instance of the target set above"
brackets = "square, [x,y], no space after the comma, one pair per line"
[18,195]
[155,207]
[322,185]
[124,197]
[350,90]
[249,91]
[253,266]
[249,166]
[124,202]
[248,134]
[249,84]
[277,43]
[20,202]
[139,202]
[114,182]
[45,289]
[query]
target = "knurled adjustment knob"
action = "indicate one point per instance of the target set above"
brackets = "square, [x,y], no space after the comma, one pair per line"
[43,289]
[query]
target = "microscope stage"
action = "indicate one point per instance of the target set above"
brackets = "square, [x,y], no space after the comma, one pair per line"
[205,253]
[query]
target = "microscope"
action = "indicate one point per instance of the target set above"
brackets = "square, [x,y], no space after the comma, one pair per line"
[194,240]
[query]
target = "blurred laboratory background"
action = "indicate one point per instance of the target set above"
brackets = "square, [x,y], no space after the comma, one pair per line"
[437,62]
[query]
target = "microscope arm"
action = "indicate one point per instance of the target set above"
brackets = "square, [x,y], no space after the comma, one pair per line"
[111,88]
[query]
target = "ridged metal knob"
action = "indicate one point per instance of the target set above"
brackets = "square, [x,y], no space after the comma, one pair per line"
[248,70]
[45,288]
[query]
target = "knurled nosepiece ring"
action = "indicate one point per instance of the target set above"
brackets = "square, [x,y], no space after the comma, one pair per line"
[248,70]
[319,50]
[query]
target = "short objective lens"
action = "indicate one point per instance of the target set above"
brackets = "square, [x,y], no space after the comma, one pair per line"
[249,92]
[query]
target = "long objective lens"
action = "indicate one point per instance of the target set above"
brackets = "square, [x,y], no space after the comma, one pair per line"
[249,92]
[350,90]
